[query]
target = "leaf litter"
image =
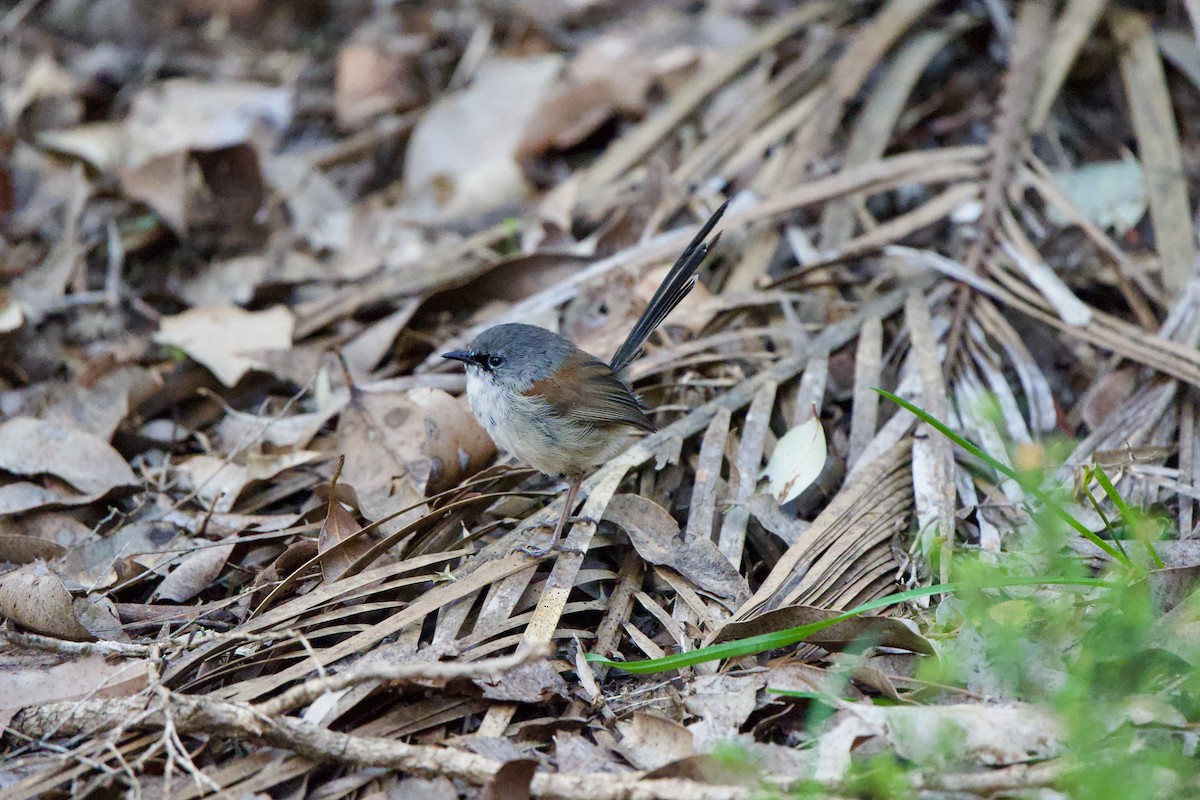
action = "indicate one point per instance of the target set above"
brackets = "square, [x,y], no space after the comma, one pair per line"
[232,463]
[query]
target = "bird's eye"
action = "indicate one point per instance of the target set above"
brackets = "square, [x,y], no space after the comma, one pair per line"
[494,361]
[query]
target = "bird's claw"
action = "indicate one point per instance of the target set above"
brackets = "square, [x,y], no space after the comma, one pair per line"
[533,551]
[546,526]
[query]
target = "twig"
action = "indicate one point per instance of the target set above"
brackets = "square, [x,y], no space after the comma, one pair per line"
[101,648]
[206,715]
[310,690]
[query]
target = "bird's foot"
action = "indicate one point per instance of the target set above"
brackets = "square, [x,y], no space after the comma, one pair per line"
[547,526]
[533,551]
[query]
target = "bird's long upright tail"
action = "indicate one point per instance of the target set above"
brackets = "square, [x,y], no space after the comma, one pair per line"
[670,293]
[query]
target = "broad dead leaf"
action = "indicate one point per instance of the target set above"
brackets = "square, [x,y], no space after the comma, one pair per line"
[400,446]
[880,631]
[89,466]
[511,781]
[535,682]
[338,545]
[219,482]
[35,599]
[196,572]
[461,159]
[377,72]
[225,339]
[656,537]
[30,678]
[649,741]
[989,735]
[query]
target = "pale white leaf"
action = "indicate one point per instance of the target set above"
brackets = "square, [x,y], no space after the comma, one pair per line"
[798,459]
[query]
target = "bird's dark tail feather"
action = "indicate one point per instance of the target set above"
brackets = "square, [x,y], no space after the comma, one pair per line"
[670,293]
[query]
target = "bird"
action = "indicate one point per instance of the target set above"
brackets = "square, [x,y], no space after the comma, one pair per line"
[558,408]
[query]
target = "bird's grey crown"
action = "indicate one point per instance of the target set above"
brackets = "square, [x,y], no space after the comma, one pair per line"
[529,353]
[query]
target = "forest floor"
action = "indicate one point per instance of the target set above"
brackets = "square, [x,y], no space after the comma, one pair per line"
[253,543]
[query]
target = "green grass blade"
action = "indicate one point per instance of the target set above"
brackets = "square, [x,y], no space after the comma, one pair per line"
[789,636]
[1004,469]
[1127,513]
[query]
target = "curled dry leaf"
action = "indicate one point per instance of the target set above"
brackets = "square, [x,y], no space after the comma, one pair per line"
[32,447]
[656,537]
[649,741]
[167,122]
[35,599]
[337,544]
[225,339]
[196,572]
[797,461]
[426,440]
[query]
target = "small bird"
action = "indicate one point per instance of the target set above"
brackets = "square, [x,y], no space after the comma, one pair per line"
[558,408]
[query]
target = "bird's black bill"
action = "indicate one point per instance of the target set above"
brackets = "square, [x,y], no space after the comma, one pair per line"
[459,355]
[670,293]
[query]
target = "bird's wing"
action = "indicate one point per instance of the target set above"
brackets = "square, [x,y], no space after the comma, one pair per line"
[585,390]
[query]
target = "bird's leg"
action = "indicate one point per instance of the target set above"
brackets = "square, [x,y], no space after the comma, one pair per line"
[555,540]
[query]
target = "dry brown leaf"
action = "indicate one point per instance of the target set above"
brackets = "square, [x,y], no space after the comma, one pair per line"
[726,700]
[196,572]
[219,482]
[17,548]
[649,741]
[98,614]
[319,213]
[400,446]
[656,537]
[461,158]
[35,599]
[237,429]
[574,753]
[160,183]
[880,631]
[225,338]
[293,558]
[337,545]
[511,781]
[234,281]
[97,407]
[29,681]
[169,121]
[535,682]
[990,735]
[182,115]
[42,79]
[90,465]
[439,788]
[99,561]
